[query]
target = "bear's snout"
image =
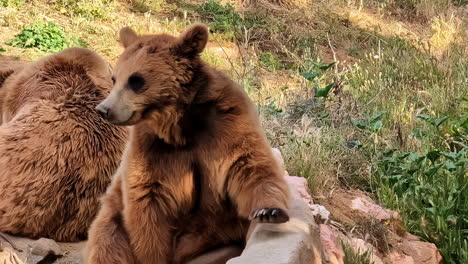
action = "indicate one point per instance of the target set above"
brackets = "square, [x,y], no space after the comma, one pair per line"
[103,111]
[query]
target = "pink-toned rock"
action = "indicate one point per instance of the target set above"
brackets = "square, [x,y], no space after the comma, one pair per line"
[301,185]
[397,258]
[367,206]
[360,246]
[330,245]
[421,252]
[320,211]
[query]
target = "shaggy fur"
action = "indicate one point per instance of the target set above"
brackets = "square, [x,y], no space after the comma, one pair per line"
[197,166]
[57,155]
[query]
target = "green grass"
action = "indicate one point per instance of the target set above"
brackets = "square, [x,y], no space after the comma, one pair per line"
[224,19]
[430,190]
[352,257]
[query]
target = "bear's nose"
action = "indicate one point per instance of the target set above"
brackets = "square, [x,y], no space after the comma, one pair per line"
[103,111]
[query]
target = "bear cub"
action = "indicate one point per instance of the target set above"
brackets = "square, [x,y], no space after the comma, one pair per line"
[197,168]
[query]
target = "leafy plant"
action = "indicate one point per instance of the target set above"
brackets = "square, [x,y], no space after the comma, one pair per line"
[372,124]
[431,192]
[269,60]
[47,37]
[316,78]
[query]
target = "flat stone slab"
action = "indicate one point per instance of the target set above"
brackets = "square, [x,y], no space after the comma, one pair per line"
[294,242]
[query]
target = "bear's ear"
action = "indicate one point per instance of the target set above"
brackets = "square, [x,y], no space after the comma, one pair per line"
[4,74]
[193,40]
[127,36]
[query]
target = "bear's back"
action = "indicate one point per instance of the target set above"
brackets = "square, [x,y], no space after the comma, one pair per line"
[57,154]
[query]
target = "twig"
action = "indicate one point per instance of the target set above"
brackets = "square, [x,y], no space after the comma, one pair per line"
[334,54]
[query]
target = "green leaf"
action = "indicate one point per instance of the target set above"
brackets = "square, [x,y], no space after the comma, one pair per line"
[440,121]
[323,92]
[377,116]
[418,133]
[432,170]
[433,155]
[327,66]
[450,155]
[424,117]
[360,124]
[309,76]
[450,165]
[377,126]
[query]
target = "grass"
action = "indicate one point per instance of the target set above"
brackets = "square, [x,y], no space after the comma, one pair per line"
[352,257]
[355,95]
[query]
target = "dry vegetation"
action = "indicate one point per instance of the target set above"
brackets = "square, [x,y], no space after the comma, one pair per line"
[389,117]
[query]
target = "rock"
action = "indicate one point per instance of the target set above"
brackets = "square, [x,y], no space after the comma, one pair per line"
[331,246]
[300,184]
[367,206]
[28,251]
[9,256]
[397,258]
[320,212]
[421,252]
[360,246]
[44,247]
[294,242]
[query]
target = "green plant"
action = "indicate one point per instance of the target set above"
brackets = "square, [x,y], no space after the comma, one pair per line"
[317,78]
[224,19]
[353,257]
[269,60]
[431,192]
[89,9]
[47,37]
[11,3]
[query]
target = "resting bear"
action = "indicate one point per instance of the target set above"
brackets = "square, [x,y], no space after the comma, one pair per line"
[197,166]
[57,155]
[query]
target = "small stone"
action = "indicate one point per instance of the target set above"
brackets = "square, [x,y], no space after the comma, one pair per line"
[320,211]
[44,247]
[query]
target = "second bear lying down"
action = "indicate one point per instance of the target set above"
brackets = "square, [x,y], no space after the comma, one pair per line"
[197,167]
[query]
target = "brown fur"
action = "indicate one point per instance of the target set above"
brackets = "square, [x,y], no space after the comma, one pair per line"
[197,166]
[57,155]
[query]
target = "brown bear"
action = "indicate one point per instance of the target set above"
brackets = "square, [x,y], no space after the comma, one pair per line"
[197,166]
[57,155]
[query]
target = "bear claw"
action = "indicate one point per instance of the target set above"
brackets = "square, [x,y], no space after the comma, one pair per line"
[270,215]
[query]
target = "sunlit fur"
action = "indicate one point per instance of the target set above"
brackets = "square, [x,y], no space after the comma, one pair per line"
[57,155]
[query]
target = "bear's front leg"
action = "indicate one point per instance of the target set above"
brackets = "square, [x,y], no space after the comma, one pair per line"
[258,186]
[147,225]
[108,241]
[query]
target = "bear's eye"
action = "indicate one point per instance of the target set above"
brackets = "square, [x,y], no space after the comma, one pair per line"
[113,80]
[136,82]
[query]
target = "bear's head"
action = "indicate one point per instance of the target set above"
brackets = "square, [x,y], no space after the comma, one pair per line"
[154,75]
